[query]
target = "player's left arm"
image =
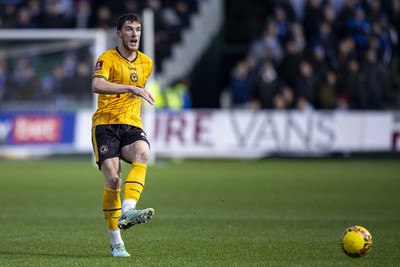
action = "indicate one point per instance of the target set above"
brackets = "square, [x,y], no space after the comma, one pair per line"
[101,86]
[150,70]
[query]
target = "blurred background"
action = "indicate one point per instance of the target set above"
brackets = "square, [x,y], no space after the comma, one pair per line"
[231,79]
[276,126]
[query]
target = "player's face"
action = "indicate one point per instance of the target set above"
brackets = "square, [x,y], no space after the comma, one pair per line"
[130,35]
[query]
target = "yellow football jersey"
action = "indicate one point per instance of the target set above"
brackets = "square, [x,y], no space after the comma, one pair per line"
[121,108]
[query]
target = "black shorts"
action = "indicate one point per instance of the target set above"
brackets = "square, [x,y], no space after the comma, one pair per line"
[107,140]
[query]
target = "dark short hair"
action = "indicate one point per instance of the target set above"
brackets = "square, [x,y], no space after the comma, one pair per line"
[132,17]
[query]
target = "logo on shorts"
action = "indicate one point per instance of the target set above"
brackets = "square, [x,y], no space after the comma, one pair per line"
[103,149]
[134,77]
[144,136]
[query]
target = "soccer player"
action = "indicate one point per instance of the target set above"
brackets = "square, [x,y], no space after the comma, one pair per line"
[119,79]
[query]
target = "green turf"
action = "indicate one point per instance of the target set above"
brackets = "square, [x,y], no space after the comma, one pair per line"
[274,212]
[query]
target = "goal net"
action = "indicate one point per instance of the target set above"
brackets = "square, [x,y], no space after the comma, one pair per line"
[49,70]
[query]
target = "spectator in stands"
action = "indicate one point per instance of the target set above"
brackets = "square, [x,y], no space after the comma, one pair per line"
[394,14]
[375,10]
[241,83]
[268,46]
[359,28]
[161,42]
[75,86]
[284,99]
[329,15]
[313,15]
[297,35]
[155,89]
[289,67]
[24,19]
[282,24]
[103,18]
[70,63]
[306,86]
[24,79]
[391,27]
[129,6]
[319,62]
[288,96]
[183,12]
[387,39]
[345,13]
[346,50]
[58,82]
[156,7]
[375,81]
[171,24]
[279,102]
[8,14]
[351,89]
[177,96]
[328,40]
[57,14]
[288,8]
[266,86]
[35,7]
[83,13]
[167,30]
[327,91]
[46,91]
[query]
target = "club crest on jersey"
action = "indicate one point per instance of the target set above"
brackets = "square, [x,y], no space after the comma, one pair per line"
[134,77]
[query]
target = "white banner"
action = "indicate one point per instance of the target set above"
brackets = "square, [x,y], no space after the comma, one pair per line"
[246,134]
[211,133]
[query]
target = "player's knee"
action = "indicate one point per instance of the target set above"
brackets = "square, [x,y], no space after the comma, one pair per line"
[111,177]
[113,182]
[142,156]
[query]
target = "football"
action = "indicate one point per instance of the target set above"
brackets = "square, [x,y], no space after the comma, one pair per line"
[356,241]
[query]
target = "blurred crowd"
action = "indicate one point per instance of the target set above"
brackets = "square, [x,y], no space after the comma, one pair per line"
[171,16]
[68,79]
[331,57]
[26,78]
[328,56]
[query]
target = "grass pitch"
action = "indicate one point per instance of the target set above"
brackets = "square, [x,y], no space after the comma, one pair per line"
[273,212]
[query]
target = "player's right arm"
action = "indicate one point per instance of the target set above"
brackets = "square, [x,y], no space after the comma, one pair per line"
[101,86]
